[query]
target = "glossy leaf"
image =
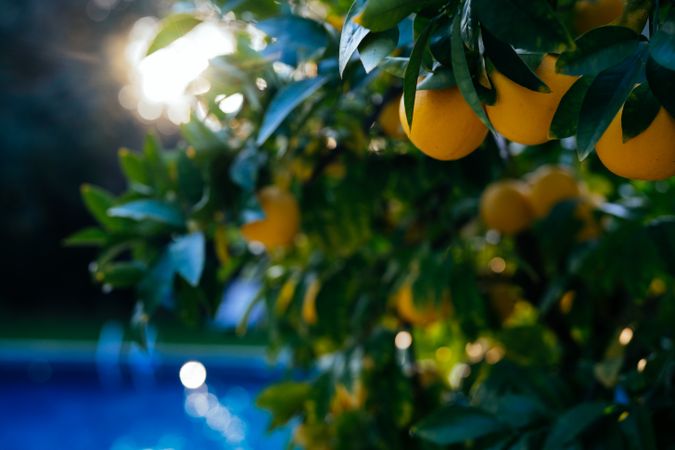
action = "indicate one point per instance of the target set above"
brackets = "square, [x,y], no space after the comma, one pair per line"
[121,274]
[566,118]
[604,99]
[460,67]
[662,83]
[639,111]
[153,210]
[507,61]
[454,424]
[284,400]
[381,15]
[598,50]
[572,423]
[376,46]
[662,45]
[412,71]
[172,28]
[98,201]
[284,102]
[188,256]
[296,38]
[88,237]
[441,78]
[526,24]
[351,36]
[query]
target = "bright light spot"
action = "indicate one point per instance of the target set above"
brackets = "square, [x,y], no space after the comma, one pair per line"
[457,374]
[443,354]
[192,374]
[230,104]
[641,365]
[497,264]
[492,237]
[169,78]
[494,355]
[331,143]
[403,340]
[475,351]
[626,336]
[261,83]
[623,416]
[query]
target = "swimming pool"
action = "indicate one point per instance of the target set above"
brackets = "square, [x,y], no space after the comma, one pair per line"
[57,396]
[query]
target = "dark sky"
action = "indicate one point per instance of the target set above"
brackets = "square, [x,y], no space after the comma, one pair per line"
[60,125]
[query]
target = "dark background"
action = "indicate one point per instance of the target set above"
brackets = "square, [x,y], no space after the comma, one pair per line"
[60,126]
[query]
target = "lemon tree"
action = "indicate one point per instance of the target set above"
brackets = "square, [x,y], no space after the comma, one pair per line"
[416,189]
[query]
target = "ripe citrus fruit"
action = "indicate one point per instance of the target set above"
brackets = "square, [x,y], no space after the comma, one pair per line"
[416,315]
[590,228]
[648,156]
[522,115]
[444,125]
[281,222]
[388,119]
[550,185]
[505,206]
[589,14]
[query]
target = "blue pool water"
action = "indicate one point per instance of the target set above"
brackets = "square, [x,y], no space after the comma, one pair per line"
[71,403]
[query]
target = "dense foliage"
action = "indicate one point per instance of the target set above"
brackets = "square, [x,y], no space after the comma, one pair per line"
[422,328]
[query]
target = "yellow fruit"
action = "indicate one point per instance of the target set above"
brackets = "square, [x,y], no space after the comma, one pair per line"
[505,206]
[388,119]
[589,14]
[503,298]
[648,156]
[281,222]
[522,115]
[590,228]
[309,314]
[416,315]
[550,185]
[344,400]
[444,125]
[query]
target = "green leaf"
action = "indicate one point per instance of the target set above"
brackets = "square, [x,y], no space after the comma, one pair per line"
[376,46]
[662,233]
[566,118]
[395,66]
[412,71]
[156,168]
[638,428]
[284,102]
[454,424]
[507,61]
[351,36]
[604,99]
[440,78]
[572,423]
[525,24]
[662,45]
[380,15]
[121,274]
[172,28]
[460,67]
[244,168]
[639,111]
[519,410]
[598,50]
[133,167]
[156,287]
[188,255]
[98,201]
[296,38]
[284,400]
[94,237]
[154,210]
[662,83]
